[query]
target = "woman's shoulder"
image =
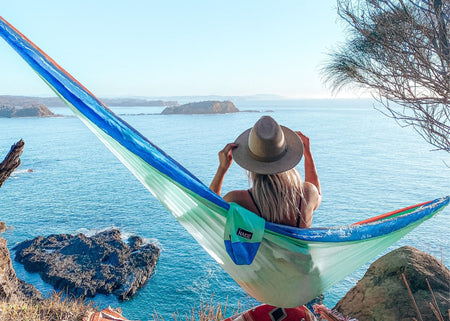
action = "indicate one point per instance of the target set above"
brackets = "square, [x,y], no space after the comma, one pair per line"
[311,194]
[236,196]
[309,188]
[243,198]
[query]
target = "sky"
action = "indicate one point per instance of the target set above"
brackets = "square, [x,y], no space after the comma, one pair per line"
[177,48]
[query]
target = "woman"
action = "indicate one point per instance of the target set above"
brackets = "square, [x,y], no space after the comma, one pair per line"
[270,153]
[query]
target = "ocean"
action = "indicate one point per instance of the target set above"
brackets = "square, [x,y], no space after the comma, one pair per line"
[366,162]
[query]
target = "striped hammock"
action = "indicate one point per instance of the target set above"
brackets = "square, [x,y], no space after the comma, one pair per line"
[278,265]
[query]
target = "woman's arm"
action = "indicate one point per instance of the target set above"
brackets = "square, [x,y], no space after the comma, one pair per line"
[225,160]
[311,175]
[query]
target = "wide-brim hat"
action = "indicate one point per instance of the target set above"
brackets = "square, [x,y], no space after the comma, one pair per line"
[268,148]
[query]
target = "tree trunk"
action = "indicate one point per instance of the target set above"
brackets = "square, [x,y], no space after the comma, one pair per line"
[11,161]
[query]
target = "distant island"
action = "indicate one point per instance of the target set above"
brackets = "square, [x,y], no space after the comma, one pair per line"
[202,107]
[27,110]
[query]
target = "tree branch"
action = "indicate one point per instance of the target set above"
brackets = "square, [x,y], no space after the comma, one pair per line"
[399,51]
[11,161]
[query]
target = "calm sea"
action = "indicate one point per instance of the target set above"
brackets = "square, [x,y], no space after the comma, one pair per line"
[367,165]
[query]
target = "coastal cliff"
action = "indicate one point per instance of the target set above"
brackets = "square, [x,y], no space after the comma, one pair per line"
[203,107]
[11,287]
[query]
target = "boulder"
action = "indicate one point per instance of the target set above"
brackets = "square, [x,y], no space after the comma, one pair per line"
[11,287]
[84,266]
[382,294]
[203,107]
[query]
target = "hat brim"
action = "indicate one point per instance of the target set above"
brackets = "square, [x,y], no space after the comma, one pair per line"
[293,155]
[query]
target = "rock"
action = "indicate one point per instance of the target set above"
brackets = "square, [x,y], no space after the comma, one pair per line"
[38,110]
[29,290]
[382,294]
[84,266]
[203,107]
[31,110]
[11,287]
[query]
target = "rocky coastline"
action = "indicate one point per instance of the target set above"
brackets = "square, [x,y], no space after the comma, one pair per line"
[380,295]
[10,100]
[24,106]
[103,263]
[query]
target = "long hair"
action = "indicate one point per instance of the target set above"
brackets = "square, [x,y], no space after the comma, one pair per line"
[277,195]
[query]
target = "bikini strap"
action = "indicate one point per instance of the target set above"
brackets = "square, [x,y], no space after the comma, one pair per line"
[256,205]
[299,216]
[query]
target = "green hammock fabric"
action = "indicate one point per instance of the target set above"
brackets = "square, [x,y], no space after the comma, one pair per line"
[278,265]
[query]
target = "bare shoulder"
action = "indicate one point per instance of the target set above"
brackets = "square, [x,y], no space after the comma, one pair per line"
[243,198]
[236,196]
[311,194]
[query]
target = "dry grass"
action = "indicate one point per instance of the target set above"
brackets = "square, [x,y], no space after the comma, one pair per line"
[54,308]
[206,312]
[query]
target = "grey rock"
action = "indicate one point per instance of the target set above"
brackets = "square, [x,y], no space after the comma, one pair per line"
[85,266]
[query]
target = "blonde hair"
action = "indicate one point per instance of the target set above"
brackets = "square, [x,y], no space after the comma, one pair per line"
[277,195]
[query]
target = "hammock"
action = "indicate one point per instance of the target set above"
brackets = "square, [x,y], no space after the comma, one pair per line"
[279,265]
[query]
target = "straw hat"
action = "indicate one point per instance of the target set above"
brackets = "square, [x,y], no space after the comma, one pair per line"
[268,148]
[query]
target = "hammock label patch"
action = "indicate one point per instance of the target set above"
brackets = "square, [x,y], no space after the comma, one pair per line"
[245,234]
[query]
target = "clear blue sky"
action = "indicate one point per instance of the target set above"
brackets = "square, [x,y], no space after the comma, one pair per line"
[172,48]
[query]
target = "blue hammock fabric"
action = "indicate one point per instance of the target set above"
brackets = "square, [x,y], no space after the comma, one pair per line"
[278,265]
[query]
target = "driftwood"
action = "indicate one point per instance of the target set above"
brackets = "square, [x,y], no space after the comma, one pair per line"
[11,161]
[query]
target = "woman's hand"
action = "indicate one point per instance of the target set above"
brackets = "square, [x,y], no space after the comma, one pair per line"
[305,140]
[225,156]
[225,160]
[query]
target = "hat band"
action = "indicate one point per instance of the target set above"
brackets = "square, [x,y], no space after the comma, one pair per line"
[268,159]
